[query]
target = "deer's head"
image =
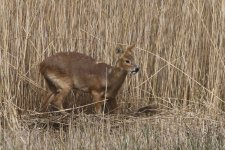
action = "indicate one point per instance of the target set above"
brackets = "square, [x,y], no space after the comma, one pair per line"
[126,60]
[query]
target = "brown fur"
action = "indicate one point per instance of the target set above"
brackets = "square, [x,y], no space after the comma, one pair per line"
[66,70]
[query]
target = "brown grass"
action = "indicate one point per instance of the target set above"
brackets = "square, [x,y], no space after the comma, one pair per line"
[180,48]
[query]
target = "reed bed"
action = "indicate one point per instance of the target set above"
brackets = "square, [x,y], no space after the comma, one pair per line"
[180,50]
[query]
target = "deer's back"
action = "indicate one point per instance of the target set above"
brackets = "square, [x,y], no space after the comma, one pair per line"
[83,69]
[63,62]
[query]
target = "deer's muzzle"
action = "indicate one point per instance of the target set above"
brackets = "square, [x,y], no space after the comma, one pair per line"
[135,70]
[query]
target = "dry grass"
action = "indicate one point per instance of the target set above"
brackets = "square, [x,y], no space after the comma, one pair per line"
[180,48]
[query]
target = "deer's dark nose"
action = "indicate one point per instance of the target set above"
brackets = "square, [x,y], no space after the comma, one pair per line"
[136,69]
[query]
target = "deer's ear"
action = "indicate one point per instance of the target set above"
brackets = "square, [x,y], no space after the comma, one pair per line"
[129,48]
[119,50]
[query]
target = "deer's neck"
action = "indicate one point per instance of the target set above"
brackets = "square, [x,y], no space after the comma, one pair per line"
[116,78]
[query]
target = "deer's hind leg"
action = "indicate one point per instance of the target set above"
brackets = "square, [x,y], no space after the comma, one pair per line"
[59,88]
[63,85]
[60,98]
[50,95]
[45,103]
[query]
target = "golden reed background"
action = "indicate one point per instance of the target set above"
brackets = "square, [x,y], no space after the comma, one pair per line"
[180,49]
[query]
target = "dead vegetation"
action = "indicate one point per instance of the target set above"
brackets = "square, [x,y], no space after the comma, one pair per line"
[180,49]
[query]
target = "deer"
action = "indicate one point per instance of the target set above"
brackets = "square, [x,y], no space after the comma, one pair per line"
[65,71]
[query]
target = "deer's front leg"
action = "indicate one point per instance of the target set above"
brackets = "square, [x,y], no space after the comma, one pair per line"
[113,106]
[98,98]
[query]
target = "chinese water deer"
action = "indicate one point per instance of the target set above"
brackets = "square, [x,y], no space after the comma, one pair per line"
[66,70]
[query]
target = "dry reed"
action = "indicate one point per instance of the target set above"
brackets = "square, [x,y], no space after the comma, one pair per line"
[179,46]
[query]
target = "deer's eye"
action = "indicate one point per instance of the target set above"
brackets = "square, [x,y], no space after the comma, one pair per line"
[127,61]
